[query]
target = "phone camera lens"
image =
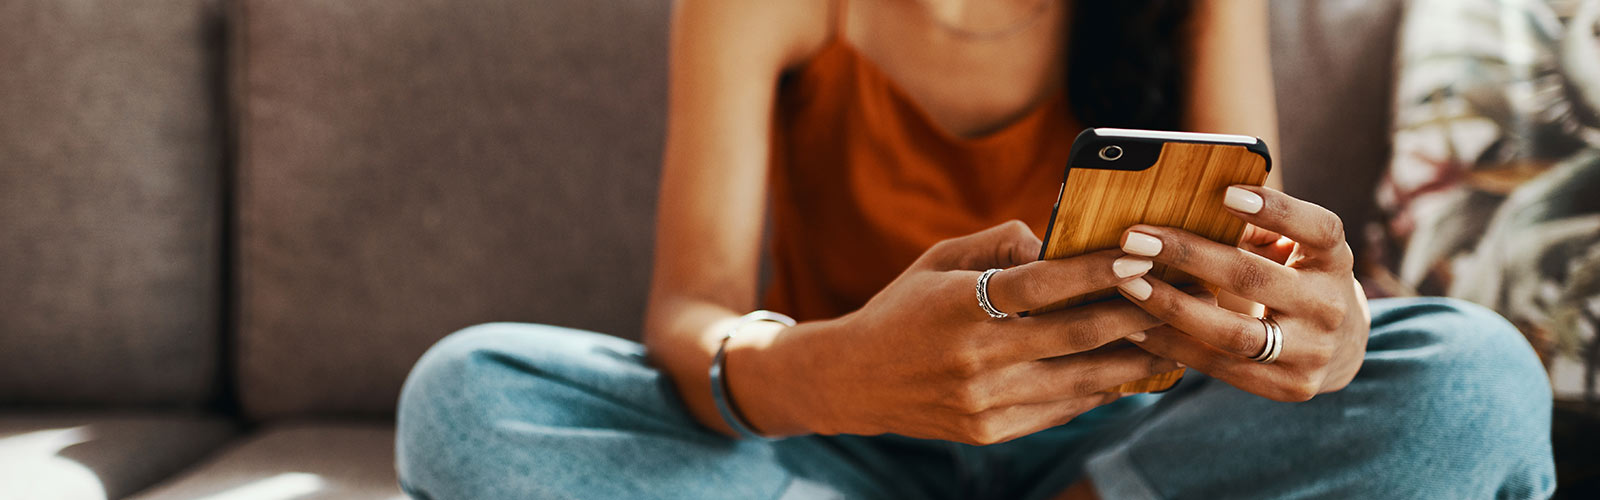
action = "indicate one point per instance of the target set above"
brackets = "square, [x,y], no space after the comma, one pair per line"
[1111,153]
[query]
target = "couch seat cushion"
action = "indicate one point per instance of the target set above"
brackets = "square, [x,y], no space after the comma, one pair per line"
[306,461]
[99,456]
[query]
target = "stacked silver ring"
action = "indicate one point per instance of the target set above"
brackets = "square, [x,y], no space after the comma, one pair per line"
[1269,353]
[983,295]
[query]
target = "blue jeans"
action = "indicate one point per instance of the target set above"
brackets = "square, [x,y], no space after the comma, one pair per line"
[1450,403]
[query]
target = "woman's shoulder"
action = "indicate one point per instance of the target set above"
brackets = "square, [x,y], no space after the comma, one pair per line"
[793,31]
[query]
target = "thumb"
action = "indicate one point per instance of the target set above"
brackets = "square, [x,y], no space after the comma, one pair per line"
[1006,245]
[1266,243]
[1256,236]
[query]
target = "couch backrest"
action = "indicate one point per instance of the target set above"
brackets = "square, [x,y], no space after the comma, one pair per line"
[1334,66]
[410,168]
[110,203]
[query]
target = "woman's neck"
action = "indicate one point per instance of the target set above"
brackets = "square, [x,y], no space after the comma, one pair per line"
[983,19]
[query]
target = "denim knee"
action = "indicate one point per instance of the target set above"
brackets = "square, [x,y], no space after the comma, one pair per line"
[441,408]
[1466,350]
[466,409]
[1464,382]
[454,376]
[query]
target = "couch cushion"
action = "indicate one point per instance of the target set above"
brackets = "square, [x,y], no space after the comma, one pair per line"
[1333,63]
[348,461]
[71,457]
[1490,196]
[109,170]
[408,169]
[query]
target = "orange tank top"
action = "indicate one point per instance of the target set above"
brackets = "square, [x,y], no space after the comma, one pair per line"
[863,180]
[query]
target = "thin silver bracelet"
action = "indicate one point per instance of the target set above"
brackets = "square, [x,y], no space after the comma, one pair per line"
[719,384]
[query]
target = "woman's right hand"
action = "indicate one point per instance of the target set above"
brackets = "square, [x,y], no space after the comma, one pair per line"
[921,359]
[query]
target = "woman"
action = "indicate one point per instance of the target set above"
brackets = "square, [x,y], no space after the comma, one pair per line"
[893,140]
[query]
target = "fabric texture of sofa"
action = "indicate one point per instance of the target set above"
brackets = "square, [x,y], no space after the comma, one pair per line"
[233,225]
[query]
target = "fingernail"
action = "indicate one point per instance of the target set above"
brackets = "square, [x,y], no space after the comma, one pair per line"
[1137,336]
[1241,199]
[1142,244]
[1137,287]
[1180,365]
[1130,266]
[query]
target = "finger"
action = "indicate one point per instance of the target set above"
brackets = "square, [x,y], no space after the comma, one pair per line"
[1226,330]
[1006,423]
[1068,331]
[1256,236]
[1006,245]
[1233,269]
[1273,246]
[1041,283]
[1274,381]
[1317,229]
[1076,375]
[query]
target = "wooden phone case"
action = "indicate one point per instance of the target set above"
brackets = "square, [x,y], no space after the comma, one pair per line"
[1183,188]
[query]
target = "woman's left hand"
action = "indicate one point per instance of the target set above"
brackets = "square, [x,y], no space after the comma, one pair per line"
[1295,261]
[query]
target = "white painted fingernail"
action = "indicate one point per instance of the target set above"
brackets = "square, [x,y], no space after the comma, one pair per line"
[1137,336]
[1137,287]
[1241,199]
[1130,266]
[1142,244]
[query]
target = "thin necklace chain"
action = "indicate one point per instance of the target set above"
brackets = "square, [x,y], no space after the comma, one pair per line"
[1034,16]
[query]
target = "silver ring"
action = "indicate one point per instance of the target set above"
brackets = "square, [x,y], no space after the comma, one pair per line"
[1266,347]
[1277,341]
[983,295]
[1274,346]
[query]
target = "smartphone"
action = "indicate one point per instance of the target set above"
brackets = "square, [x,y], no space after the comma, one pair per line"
[1116,178]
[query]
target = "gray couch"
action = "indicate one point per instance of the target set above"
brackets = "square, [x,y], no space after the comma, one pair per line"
[231,226]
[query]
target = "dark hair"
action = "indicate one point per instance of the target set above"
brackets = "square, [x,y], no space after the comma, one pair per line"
[1123,63]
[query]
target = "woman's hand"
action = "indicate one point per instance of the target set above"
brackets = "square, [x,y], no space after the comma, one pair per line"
[921,359]
[1295,261]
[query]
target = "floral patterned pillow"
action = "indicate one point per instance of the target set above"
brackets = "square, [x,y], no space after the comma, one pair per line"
[1493,191]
